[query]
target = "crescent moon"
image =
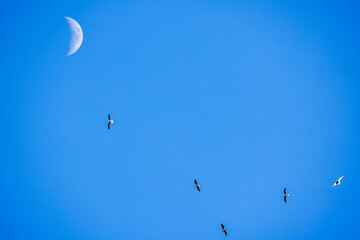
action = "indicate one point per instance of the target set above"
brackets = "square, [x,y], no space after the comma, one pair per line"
[76,36]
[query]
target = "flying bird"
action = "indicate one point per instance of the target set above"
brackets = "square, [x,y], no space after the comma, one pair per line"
[285,195]
[223,229]
[338,182]
[197,185]
[110,121]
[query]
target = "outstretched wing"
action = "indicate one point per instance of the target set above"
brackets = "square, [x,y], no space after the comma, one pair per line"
[222,225]
[285,191]
[109,125]
[340,179]
[225,233]
[109,117]
[285,197]
[195,182]
[198,188]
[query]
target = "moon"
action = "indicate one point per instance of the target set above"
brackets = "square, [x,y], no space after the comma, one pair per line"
[76,36]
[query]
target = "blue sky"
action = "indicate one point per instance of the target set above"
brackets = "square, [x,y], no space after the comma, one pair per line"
[248,97]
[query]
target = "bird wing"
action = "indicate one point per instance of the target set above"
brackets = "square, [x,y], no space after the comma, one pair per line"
[285,197]
[225,233]
[198,188]
[222,225]
[285,190]
[109,125]
[340,179]
[195,182]
[109,117]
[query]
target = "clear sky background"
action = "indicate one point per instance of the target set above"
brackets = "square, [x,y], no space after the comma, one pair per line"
[248,97]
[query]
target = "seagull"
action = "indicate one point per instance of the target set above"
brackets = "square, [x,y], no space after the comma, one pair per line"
[197,185]
[285,195]
[338,182]
[110,121]
[223,229]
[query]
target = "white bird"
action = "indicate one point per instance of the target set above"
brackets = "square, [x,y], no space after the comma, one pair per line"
[338,182]
[110,122]
[285,195]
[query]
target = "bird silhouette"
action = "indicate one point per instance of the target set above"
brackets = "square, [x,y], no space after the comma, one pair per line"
[110,121]
[285,195]
[197,185]
[223,229]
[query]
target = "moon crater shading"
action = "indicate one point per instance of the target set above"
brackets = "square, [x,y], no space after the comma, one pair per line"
[76,36]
